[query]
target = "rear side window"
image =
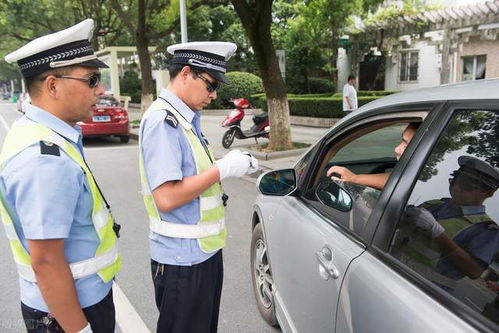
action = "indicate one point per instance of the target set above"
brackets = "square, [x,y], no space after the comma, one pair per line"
[449,232]
[108,101]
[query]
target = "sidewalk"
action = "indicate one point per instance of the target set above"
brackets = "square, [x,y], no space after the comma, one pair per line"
[211,128]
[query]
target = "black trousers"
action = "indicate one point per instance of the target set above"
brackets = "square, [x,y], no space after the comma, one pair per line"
[101,317]
[188,297]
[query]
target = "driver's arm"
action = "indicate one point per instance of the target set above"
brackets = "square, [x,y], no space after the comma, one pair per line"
[376,181]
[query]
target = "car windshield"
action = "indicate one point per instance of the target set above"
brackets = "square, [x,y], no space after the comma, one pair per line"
[107,101]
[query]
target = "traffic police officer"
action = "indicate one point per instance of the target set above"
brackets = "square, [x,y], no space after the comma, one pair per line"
[59,226]
[182,191]
[464,239]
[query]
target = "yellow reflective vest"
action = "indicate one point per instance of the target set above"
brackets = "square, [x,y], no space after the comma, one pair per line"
[423,253]
[107,260]
[210,231]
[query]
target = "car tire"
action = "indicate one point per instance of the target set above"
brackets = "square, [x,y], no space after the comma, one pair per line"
[124,139]
[261,276]
[228,138]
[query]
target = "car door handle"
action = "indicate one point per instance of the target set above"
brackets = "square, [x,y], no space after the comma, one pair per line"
[327,269]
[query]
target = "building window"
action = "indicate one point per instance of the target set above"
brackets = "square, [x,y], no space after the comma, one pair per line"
[409,66]
[474,67]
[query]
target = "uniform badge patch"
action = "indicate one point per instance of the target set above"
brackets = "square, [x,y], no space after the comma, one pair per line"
[48,148]
[171,119]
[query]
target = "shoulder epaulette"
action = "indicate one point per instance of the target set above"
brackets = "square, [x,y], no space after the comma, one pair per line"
[204,138]
[48,148]
[171,119]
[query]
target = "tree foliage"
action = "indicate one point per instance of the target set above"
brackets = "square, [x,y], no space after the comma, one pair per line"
[23,20]
[476,131]
[242,84]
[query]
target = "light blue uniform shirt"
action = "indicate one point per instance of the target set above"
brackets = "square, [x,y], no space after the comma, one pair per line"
[167,157]
[49,198]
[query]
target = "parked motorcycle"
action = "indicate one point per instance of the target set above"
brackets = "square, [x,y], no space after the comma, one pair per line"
[233,120]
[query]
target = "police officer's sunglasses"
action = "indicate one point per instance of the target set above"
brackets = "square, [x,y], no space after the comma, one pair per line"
[210,86]
[93,80]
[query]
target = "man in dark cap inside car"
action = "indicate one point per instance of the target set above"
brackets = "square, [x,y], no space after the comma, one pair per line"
[459,239]
[59,227]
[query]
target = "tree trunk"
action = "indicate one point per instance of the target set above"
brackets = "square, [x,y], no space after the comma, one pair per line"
[334,61]
[144,58]
[142,40]
[256,20]
[445,74]
[145,70]
[356,56]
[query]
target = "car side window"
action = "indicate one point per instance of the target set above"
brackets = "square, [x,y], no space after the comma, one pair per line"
[368,151]
[449,231]
[303,164]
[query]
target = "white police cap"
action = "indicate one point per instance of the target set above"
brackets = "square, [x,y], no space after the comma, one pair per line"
[210,57]
[68,47]
[479,170]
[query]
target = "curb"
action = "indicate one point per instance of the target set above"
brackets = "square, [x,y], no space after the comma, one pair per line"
[313,121]
[276,154]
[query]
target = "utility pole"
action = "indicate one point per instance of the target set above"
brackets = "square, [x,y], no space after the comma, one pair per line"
[183,21]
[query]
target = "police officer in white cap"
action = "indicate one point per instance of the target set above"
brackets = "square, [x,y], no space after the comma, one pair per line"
[182,191]
[59,226]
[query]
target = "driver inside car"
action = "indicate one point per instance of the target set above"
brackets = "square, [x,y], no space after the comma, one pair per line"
[377,180]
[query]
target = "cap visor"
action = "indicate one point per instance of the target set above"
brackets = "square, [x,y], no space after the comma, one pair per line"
[220,77]
[94,63]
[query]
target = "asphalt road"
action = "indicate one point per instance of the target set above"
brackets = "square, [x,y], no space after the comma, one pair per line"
[115,166]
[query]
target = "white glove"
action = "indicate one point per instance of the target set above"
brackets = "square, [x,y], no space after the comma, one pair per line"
[253,163]
[424,220]
[236,164]
[86,329]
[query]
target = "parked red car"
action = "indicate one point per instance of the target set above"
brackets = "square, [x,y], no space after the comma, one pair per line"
[110,118]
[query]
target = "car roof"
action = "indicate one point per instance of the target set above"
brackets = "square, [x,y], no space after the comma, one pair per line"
[469,90]
[462,91]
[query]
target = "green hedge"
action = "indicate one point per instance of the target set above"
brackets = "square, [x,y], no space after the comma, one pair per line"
[325,105]
[322,107]
[320,85]
[130,86]
[376,92]
[242,84]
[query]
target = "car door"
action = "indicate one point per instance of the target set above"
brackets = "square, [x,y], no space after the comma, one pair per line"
[405,281]
[308,263]
[311,241]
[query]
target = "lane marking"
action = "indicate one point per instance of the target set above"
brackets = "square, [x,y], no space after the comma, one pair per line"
[127,318]
[4,123]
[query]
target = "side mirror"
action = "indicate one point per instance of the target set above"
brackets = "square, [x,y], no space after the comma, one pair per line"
[332,195]
[279,182]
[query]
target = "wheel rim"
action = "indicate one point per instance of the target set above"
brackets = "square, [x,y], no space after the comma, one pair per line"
[263,275]
[228,138]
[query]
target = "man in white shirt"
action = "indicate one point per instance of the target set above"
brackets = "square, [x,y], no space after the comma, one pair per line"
[350,95]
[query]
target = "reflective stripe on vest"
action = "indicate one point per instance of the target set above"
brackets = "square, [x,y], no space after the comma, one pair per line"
[210,230]
[423,252]
[106,261]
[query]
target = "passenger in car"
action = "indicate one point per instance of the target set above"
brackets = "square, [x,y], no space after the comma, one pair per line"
[458,238]
[377,180]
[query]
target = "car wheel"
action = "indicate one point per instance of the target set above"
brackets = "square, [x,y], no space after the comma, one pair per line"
[228,138]
[261,275]
[124,139]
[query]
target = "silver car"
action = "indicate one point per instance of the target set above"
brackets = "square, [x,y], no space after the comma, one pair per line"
[417,251]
